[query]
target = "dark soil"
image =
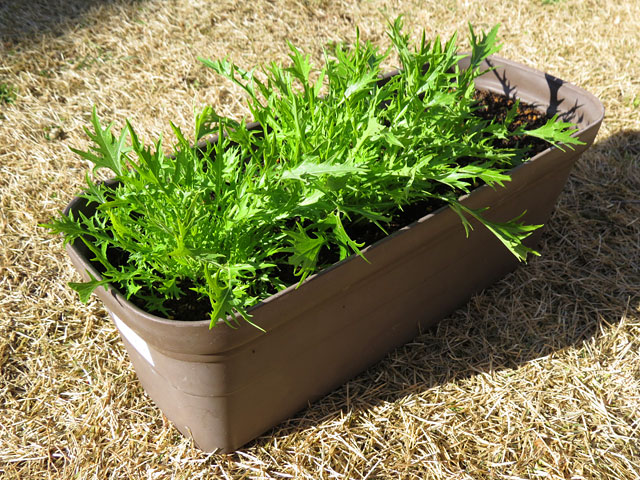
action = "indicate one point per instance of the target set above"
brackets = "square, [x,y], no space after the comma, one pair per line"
[491,106]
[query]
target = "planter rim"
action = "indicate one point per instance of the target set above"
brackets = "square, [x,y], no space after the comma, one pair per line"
[241,324]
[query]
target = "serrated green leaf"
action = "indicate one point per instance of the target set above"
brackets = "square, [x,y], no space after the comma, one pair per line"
[304,251]
[309,168]
[109,151]
[85,289]
[557,133]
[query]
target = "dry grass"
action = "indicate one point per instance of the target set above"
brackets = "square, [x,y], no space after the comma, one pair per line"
[537,377]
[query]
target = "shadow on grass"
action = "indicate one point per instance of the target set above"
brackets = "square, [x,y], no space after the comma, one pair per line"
[588,274]
[22,20]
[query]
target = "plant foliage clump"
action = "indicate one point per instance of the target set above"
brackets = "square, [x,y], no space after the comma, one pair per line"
[220,220]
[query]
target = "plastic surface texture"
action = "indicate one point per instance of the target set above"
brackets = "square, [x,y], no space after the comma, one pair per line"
[225,386]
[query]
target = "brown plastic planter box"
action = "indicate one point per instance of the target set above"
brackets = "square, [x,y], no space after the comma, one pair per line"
[226,386]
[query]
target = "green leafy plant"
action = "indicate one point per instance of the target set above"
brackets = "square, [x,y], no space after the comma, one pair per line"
[231,219]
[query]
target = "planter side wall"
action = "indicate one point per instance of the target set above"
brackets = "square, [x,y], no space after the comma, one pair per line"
[225,387]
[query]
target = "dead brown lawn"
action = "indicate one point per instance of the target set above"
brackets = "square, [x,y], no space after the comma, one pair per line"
[537,377]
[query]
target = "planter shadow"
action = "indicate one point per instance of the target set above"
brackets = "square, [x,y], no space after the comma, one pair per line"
[228,386]
[571,287]
[554,104]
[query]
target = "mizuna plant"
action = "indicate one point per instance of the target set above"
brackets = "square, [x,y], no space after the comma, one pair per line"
[223,222]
